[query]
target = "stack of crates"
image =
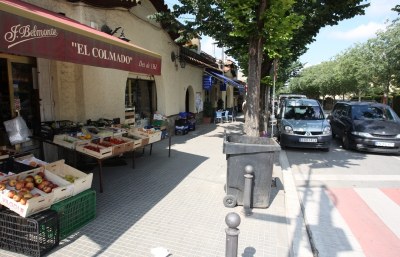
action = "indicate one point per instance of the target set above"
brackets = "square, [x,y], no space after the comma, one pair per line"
[35,235]
[75,212]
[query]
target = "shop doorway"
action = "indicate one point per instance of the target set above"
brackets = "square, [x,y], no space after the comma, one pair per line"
[189,100]
[140,101]
[19,94]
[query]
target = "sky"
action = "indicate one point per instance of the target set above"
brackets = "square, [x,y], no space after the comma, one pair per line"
[332,40]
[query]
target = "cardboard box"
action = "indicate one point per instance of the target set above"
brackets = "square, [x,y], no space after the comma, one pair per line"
[82,181]
[102,152]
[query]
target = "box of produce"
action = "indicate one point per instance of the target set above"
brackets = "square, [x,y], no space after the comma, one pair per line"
[126,143]
[22,196]
[43,180]
[31,160]
[36,235]
[80,180]
[153,134]
[68,141]
[76,212]
[95,150]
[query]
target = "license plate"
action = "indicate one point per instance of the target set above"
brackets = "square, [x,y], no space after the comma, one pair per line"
[384,144]
[308,140]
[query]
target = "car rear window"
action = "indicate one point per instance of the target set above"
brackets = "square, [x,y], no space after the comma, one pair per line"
[371,113]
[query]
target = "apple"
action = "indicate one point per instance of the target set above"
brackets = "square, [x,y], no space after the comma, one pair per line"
[21,193]
[47,189]
[12,182]
[2,186]
[19,185]
[30,185]
[29,178]
[23,201]
[17,198]
[41,173]
[40,186]
[11,193]
[38,181]
[28,196]
[46,183]
[37,177]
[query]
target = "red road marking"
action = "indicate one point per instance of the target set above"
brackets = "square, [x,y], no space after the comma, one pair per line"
[393,194]
[375,238]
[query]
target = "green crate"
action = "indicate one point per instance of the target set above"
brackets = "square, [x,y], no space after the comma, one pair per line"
[75,212]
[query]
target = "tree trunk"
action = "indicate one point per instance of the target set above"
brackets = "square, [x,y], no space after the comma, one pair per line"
[252,114]
[252,121]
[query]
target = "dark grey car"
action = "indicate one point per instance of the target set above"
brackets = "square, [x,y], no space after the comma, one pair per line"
[302,123]
[366,126]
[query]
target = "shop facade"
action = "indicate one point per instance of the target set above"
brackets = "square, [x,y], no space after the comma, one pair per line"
[58,64]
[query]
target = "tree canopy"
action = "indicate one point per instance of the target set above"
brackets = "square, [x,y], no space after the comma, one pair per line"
[364,69]
[255,32]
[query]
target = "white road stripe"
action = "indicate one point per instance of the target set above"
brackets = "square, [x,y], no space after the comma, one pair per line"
[398,158]
[387,210]
[350,177]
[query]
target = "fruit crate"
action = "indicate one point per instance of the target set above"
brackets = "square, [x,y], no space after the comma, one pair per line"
[122,144]
[95,150]
[76,212]
[33,236]
[80,180]
[68,141]
[31,161]
[63,190]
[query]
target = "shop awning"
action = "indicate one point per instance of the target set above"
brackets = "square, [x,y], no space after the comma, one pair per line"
[29,30]
[225,79]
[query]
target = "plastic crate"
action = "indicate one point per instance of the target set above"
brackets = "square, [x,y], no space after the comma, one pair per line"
[10,165]
[33,236]
[75,212]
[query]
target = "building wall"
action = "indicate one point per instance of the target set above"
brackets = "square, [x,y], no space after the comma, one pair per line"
[84,92]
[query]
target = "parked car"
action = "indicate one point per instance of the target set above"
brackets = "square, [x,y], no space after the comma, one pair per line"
[366,126]
[302,123]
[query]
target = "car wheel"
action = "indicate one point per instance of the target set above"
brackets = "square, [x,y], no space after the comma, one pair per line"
[325,149]
[345,141]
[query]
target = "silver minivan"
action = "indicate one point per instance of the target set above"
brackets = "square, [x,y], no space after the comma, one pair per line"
[302,123]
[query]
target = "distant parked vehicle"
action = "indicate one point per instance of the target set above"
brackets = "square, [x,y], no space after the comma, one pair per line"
[302,123]
[283,97]
[366,126]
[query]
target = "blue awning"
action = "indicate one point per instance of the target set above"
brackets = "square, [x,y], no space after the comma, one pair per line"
[225,79]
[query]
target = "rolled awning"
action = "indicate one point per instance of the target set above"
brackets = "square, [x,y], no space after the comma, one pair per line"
[225,79]
[29,30]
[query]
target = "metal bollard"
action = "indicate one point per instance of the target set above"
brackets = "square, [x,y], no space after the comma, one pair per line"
[248,186]
[232,233]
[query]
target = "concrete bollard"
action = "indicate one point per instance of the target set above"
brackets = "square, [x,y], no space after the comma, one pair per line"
[248,187]
[232,233]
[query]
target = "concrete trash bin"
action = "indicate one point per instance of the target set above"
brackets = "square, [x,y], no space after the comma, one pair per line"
[258,152]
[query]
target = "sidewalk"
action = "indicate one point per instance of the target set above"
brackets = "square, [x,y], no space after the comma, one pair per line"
[176,203]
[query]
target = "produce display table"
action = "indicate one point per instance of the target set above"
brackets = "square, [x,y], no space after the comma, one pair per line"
[99,160]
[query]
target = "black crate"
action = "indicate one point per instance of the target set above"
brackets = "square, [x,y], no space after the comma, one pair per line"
[10,165]
[75,212]
[33,236]
[50,128]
